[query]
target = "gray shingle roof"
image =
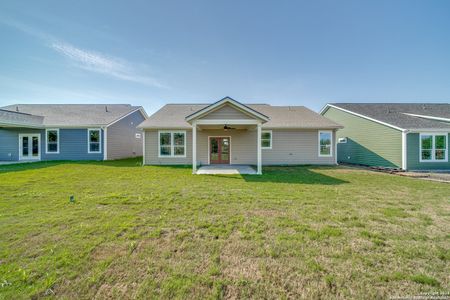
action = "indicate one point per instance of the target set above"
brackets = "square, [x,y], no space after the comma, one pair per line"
[396,114]
[173,116]
[73,114]
[17,118]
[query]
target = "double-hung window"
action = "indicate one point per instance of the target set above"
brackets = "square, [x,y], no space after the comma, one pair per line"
[325,143]
[94,140]
[52,141]
[266,139]
[433,147]
[172,143]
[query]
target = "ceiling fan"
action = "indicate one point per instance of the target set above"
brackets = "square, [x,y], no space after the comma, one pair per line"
[226,127]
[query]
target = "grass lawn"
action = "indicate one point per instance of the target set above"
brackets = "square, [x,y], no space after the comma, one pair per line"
[160,232]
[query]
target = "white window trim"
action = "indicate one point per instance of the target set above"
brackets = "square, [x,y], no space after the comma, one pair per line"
[46,140]
[331,144]
[89,141]
[172,144]
[265,131]
[433,149]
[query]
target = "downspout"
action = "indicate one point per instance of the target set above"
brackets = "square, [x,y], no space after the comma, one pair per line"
[405,149]
[143,147]
[335,147]
[194,147]
[105,143]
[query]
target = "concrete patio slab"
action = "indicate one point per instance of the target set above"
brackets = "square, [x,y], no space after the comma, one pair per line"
[226,169]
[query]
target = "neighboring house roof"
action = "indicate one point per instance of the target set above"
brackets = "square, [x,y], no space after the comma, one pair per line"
[403,116]
[19,119]
[70,115]
[174,116]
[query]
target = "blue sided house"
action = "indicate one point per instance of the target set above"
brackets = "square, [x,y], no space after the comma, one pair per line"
[33,132]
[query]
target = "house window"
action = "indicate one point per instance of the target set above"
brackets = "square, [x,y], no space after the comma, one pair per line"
[172,144]
[52,138]
[94,141]
[433,147]
[266,139]
[325,143]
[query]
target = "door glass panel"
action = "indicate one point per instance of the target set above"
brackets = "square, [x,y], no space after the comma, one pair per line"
[225,150]
[35,148]
[25,146]
[214,150]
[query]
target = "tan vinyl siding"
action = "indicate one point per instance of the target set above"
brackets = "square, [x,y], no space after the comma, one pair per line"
[368,143]
[295,147]
[226,112]
[151,149]
[243,145]
[289,147]
[121,137]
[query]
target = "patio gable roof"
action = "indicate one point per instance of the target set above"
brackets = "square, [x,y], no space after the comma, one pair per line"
[243,109]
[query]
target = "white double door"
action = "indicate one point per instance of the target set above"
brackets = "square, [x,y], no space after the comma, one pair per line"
[29,146]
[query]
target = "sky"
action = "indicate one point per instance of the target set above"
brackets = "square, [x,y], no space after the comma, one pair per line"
[150,53]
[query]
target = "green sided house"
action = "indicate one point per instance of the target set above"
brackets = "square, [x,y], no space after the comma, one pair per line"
[410,136]
[228,132]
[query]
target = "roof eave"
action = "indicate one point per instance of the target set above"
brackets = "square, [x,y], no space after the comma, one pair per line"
[303,127]
[140,109]
[362,116]
[428,130]
[429,117]
[18,125]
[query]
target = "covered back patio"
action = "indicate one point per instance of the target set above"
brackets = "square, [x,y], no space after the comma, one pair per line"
[226,145]
[226,134]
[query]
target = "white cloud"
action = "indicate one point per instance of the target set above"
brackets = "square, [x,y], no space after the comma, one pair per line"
[90,60]
[104,64]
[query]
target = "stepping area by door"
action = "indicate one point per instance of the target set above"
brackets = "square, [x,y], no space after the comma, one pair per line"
[226,169]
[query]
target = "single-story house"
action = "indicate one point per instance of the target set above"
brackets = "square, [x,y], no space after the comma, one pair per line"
[410,136]
[229,132]
[30,132]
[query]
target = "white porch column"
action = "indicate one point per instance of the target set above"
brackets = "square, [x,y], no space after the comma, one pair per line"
[194,147]
[258,139]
